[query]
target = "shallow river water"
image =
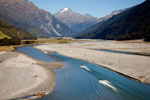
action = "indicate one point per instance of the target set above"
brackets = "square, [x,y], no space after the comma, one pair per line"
[81,80]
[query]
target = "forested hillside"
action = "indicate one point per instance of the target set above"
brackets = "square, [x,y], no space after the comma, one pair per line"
[133,23]
[7,31]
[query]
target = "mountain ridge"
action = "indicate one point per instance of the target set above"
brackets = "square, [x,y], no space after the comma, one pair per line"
[74,20]
[115,12]
[101,20]
[133,23]
[25,15]
[8,31]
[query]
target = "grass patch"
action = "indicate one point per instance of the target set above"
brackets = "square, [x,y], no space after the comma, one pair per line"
[44,41]
[38,41]
[2,36]
[7,48]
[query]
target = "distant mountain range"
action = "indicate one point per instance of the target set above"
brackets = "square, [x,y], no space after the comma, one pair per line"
[77,22]
[20,18]
[39,23]
[99,21]
[133,23]
[8,31]
[116,12]
[26,16]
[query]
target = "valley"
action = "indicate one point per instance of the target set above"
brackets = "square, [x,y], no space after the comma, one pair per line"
[74,50]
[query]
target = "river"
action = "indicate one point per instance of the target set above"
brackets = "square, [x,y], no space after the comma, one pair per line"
[81,80]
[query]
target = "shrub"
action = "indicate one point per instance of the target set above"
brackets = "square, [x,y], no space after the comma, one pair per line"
[29,42]
[13,41]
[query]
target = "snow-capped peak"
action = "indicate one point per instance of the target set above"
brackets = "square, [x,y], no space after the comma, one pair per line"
[64,10]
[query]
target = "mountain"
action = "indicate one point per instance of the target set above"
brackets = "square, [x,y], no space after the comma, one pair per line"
[77,22]
[133,23]
[100,22]
[8,31]
[25,15]
[116,12]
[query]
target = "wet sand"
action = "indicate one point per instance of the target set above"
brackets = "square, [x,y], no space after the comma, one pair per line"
[134,66]
[21,76]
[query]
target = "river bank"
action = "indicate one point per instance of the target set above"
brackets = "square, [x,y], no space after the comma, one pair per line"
[134,66]
[22,76]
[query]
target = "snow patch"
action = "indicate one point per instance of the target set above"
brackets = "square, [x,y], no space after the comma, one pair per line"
[64,10]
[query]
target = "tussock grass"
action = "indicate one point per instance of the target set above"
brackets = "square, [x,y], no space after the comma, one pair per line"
[2,36]
[7,48]
[44,41]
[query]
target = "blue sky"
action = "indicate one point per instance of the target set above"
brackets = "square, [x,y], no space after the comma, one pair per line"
[97,8]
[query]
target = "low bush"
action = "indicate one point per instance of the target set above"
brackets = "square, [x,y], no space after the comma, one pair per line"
[7,42]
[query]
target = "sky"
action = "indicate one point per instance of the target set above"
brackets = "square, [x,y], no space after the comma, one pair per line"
[97,8]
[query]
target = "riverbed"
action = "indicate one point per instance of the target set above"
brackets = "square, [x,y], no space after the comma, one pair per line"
[132,65]
[93,82]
